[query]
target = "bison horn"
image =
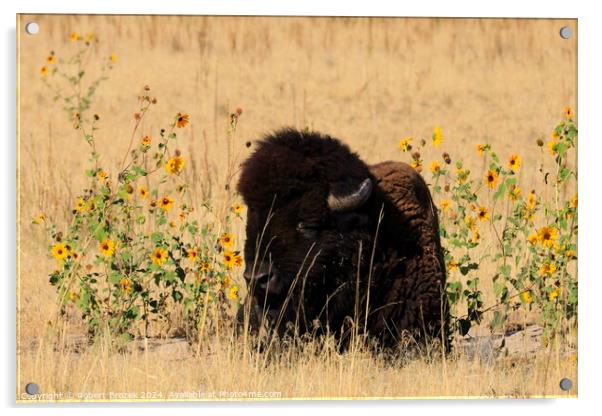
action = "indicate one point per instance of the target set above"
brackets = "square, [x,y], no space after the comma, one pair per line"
[353,200]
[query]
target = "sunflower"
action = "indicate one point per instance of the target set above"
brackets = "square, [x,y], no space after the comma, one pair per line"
[159,256]
[126,285]
[143,192]
[445,203]
[107,247]
[89,37]
[166,203]
[237,208]
[554,294]
[101,175]
[553,147]
[452,265]
[547,236]
[532,200]
[73,296]
[514,162]
[59,251]
[405,144]
[547,269]
[470,222]
[227,282]
[532,238]
[526,297]
[476,236]
[44,71]
[462,175]
[80,204]
[175,165]
[481,149]
[193,254]
[514,193]
[568,113]
[51,59]
[146,141]
[491,178]
[574,202]
[226,240]
[435,166]
[74,37]
[38,219]
[228,259]
[113,58]
[416,164]
[233,293]
[232,259]
[205,266]
[483,213]
[182,120]
[570,254]
[238,261]
[437,137]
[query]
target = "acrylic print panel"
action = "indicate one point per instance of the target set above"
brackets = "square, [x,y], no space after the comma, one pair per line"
[268,208]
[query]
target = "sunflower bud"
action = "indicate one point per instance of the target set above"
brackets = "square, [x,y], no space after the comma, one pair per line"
[416,155]
[446,158]
[248,144]
[539,142]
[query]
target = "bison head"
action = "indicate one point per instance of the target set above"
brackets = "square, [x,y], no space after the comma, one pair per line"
[308,199]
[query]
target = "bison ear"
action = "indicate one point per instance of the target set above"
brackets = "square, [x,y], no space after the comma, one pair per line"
[351,200]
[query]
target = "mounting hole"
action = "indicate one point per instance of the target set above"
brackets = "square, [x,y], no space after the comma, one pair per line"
[32,388]
[566,384]
[566,32]
[32,28]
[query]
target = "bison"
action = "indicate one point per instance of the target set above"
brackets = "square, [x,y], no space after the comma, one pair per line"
[335,244]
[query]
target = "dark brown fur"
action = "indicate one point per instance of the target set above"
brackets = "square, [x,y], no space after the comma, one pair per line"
[310,256]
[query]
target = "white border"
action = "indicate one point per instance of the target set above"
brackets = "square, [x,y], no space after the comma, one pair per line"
[590,154]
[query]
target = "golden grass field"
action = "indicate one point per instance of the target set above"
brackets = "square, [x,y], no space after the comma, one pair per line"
[368,82]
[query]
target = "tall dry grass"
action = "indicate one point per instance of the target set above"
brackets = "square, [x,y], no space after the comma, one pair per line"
[367,81]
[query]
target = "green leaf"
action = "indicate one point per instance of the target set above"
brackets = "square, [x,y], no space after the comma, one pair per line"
[157,237]
[139,170]
[114,278]
[500,191]
[169,277]
[463,326]
[177,295]
[505,269]
[464,269]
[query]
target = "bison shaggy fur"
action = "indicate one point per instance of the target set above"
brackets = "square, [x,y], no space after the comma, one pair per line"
[335,244]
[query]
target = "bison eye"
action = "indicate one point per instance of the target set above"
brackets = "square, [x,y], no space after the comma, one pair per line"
[307,229]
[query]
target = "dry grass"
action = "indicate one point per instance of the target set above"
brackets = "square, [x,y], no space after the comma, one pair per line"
[366,81]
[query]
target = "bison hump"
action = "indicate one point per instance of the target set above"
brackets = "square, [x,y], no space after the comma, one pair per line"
[407,191]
